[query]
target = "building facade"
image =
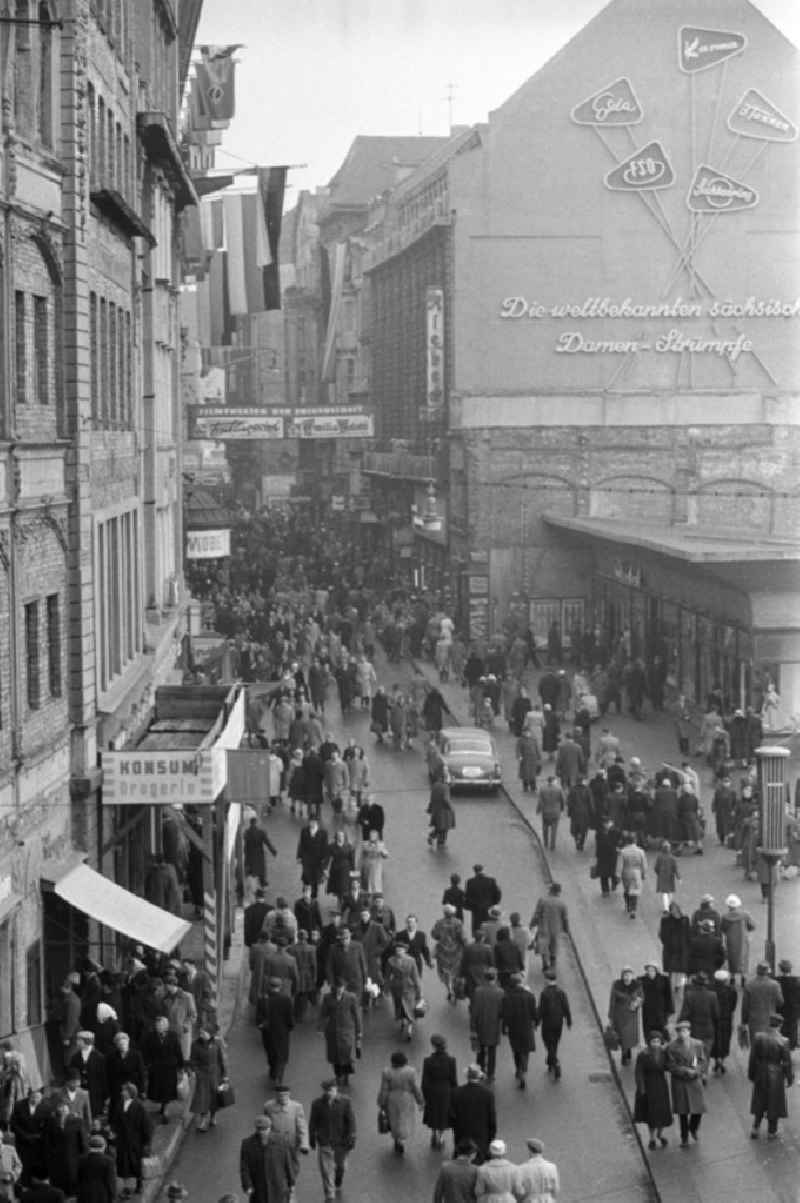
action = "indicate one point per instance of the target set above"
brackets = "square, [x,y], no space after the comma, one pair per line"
[90,538]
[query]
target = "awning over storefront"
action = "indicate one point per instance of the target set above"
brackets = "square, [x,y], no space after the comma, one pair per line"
[117,908]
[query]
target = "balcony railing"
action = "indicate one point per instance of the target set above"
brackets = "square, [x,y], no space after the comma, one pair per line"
[398,240]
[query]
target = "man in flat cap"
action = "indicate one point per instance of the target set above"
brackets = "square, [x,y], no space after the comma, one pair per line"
[289,1123]
[472,1113]
[761,997]
[332,1132]
[97,1178]
[770,1071]
[266,1165]
[456,1181]
[536,1179]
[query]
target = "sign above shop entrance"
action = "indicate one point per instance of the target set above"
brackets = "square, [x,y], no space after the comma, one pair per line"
[615,104]
[646,169]
[699,49]
[756,117]
[712,191]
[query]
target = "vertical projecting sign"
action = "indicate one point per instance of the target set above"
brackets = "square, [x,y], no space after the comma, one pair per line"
[434,309]
[615,104]
[699,49]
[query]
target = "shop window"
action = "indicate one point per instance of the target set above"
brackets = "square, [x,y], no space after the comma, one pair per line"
[33,655]
[33,982]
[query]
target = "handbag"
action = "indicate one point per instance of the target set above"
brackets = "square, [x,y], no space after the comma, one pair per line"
[743,1036]
[594,872]
[184,1088]
[611,1038]
[383,1122]
[225,1095]
[420,1009]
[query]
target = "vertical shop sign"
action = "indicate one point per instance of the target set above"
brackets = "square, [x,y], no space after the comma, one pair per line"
[434,308]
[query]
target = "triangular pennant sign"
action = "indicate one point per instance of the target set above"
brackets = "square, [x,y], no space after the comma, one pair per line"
[699,49]
[615,104]
[646,169]
[756,117]
[712,191]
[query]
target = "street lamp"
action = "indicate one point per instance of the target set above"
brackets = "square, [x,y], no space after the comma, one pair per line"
[771,769]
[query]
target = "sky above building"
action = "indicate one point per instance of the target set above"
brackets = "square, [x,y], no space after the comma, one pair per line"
[313,74]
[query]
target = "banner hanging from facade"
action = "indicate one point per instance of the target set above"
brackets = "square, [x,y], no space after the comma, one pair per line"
[207,544]
[281,421]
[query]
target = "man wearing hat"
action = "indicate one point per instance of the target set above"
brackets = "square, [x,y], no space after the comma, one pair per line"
[687,1065]
[77,1099]
[519,1016]
[266,1165]
[276,1021]
[313,854]
[706,951]
[723,805]
[97,1179]
[549,920]
[485,1019]
[554,1012]
[332,1132]
[179,1007]
[473,1113]
[770,1071]
[497,1176]
[254,916]
[91,1067]
[481,892]
[761,997]
[289,1123]
[456,1180]
[701,1008]
[134,1132]
[536,1180]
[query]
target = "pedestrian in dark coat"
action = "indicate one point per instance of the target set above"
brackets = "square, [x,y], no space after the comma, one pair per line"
[550,731]
[379,714]
[481,893]
[27,1123]
[476,958]
[439,1080]
[434,709]
[485,1021]
[91,1066]
[606,854]
[41,1191]
[313,853]
[162,1055]
[256,845]
[65,1143]
[790,988]
[554,1012]
[276,1021]
[340,1023]
[770,1071]
[520,1015]
[529,757]
[97,1179]
[701,1008]
[210,1068]
[124,1064]
[674,933]
[134,1132]
[266,1165]
[706,951]
[723,1027]
[581,812]
[473,1115]
[442,815]
[651,1104]
[657,1005]
[761,997]
[457,1178]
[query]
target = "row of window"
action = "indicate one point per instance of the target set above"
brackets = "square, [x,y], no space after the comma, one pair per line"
[109,148]
[37,648]
[32,348]
[118,632]
[110,362]
[112,17]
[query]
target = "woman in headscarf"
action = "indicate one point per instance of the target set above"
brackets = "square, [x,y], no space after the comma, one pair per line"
[652,1105]
[623,1011]
[448,936]
[400,1096]
[106,1028]
[208,1062]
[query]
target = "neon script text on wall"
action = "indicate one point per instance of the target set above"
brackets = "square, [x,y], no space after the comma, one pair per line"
[520,307]
[675,342]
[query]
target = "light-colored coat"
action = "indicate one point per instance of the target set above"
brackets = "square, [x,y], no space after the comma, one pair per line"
[537,1181]
[400,1096]
[633,868]
[496,1181]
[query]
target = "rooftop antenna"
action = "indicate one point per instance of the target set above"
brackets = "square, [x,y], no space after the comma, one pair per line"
[451,89]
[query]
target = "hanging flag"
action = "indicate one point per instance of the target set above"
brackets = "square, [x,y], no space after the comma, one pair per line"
[215,82]
[254,262]
[271,188]
[234,241]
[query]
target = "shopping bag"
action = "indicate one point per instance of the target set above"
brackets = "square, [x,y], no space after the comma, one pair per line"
[383,1122]
[611,1038]
[225,1095]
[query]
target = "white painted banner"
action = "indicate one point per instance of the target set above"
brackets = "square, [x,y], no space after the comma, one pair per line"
[207,544]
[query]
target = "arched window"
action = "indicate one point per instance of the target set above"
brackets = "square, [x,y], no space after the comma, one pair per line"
[45,106]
